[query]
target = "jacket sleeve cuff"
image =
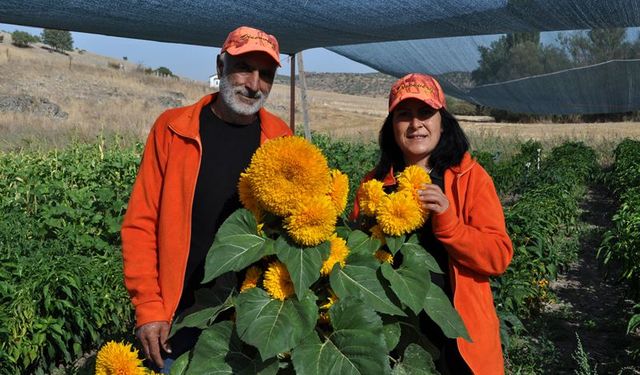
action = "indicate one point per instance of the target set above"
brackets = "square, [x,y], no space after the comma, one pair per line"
[150,312]
[444,221]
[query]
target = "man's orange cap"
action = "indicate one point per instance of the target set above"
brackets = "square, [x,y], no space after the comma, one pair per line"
[246,39]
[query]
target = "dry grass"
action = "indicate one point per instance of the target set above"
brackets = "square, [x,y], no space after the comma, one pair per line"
[102,101]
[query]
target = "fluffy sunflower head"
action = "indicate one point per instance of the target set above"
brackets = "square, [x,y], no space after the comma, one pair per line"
[285,171]
[384,256]
[247,198]
[251,278]
[117,358]
[339,190]
[277,281]
[339,253]
[399,213]
[413,178]
[313,221]
[370,196]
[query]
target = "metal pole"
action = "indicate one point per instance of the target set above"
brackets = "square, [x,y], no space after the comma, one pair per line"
[292,100]
[303,94]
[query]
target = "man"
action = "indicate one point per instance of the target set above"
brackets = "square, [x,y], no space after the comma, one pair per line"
[187,186]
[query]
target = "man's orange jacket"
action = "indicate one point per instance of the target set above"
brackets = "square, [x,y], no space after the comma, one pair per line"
[473,232]
[156,231]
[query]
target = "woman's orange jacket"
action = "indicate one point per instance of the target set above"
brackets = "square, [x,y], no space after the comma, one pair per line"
[156,231]
[474,234]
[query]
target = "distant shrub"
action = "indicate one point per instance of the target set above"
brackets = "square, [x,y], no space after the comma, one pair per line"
[23,39]
[164,71]
[60,40]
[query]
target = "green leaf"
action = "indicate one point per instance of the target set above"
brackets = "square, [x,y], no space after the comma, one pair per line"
[410,333]
[274,326]
[236,246]
[441,311]
[416,361]
[179,366]
[356,345]
[209,303]
[361,243]
[411,281]
[220,351]
[362,281]
[431,262]
[394,243]
[391,332]
[303,264]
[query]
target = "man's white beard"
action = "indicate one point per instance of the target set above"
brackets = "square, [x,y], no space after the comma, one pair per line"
[228,94]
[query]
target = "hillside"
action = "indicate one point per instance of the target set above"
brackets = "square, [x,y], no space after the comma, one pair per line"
[48,99]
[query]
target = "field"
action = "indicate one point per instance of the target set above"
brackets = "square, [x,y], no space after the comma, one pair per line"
[71,130]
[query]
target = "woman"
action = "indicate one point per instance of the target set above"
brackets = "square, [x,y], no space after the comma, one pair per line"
[466,231]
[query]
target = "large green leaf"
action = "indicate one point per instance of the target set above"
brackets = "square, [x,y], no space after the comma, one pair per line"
[356,346]
[416,361]
[303,263]
[274,326]
[220,351]
[394,243]
[179,366]
[411,333]
[411,281]
[361,243]
[391,330]
[236,246]
[441,311]
[362,281]
[431,262]
[208,304]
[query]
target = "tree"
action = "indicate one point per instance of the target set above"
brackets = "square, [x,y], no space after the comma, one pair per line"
[60,40]
[164,71]
[598,45]
[23,39]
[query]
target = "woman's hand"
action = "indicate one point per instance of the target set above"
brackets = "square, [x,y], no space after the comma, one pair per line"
[433,198]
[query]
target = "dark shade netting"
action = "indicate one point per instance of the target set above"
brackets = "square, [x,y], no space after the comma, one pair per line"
[305,24]
[544,77]
[444,38]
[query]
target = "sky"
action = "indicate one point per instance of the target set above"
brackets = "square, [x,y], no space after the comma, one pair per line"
[194,62]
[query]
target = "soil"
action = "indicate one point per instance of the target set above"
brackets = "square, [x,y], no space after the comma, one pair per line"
[591,303]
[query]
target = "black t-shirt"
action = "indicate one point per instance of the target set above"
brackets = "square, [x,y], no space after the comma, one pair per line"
[226,152]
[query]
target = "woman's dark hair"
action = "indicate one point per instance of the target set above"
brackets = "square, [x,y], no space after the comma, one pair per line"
[448,153]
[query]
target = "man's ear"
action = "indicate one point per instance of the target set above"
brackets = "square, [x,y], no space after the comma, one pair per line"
[219,66]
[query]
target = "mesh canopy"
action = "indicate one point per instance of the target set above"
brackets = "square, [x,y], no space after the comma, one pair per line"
[304,24]
[443,37]
[569,87]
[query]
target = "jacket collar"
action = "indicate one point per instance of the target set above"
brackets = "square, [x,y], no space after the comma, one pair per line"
[187,123]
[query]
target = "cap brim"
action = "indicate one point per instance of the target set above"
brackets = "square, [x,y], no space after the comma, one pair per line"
[430,102]
[241,51]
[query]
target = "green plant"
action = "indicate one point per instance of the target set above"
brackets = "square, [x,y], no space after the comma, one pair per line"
[60,40]
[582,359]
[23,39]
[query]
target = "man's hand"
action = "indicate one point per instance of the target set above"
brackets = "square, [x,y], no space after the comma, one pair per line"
[433,198]
[153,336]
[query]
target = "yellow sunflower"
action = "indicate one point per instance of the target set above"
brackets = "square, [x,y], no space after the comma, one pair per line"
[339,253]
[312,222]
[251,278]
[339,190]
[376,232]
[384,256]
[399,213]
[331,299]
[277,281]
[285,171]
[117,358]
[370,196]
[413,178]
[247,198]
